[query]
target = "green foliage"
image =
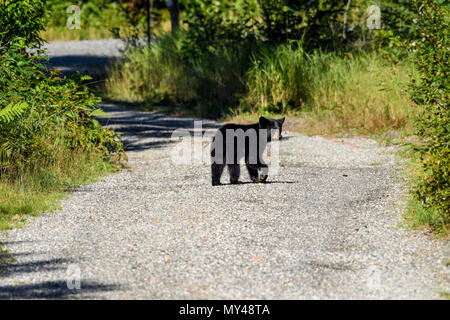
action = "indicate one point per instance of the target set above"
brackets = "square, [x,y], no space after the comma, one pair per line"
[102,19]
[93,13]
[209,82]
[316,22]
[24,19]
[12,111]
[432,91]
[214,26]
[49,139]
[97,19]
[398,17]
[357,91]
[326,24]
[211,22]
[39,110]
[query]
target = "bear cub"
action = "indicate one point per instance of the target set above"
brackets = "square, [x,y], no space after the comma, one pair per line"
[232,142]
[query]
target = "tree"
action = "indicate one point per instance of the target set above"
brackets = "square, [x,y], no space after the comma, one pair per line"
[172,6]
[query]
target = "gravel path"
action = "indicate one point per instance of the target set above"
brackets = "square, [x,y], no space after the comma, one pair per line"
[325,227]
[86,56]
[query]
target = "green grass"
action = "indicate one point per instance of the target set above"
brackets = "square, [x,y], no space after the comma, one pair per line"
[40,189]
[65,34]
[357,93]
[420,217]
[321,93]
[416,215]
[30,192]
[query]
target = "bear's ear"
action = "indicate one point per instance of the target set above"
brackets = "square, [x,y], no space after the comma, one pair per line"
[281,120]
[263,122]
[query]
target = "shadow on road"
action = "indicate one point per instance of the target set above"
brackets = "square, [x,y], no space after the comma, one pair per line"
[146,130]
[95,66]
[49,290]
[19,289]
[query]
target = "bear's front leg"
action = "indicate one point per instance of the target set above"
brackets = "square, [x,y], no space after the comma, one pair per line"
[264,173]
[253,173]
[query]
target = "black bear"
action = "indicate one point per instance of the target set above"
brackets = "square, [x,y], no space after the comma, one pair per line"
[232,142]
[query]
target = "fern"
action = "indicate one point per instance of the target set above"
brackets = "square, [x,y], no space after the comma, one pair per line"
[5,153]
[99,113]
[12,111]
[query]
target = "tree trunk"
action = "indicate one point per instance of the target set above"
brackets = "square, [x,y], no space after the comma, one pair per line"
[345,20]
[149,17]
[172,6]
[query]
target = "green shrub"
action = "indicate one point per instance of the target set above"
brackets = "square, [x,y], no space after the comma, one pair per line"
[97,19]
[39,110]
[49,139]
[24,19]
[40,113]
[432,91]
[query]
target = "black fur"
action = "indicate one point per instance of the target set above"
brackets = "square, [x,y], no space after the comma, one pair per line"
[253,162]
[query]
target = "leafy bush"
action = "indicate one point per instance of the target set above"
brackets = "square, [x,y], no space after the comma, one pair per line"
[97,19]
[102,19]
[24,19]
[41,115]
[432,91]
[40,112]
[49,139]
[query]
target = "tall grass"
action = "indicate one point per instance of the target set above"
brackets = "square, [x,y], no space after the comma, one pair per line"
[416,214]
[359,91]
[207,85]
[62,33]
[38,188]
[151,73]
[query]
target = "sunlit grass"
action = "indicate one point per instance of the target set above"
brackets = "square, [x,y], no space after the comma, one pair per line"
[321,93]
[416,215]
[31,191]
[66,34]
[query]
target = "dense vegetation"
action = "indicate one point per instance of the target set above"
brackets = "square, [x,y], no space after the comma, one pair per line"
[432,91]
[101,19]
[352,79]
[49,139]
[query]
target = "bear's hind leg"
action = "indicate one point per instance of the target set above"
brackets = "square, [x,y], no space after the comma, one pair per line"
[216,173]
[235,171]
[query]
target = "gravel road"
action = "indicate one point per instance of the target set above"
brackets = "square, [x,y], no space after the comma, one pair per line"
[325,227]
[86,56]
